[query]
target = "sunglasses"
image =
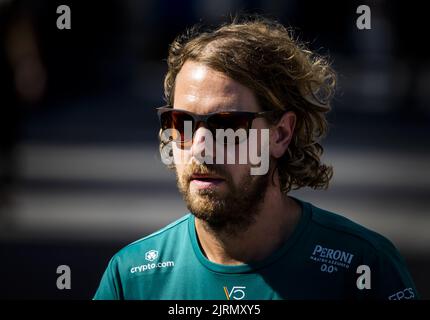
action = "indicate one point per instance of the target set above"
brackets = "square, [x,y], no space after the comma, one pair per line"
[176,118]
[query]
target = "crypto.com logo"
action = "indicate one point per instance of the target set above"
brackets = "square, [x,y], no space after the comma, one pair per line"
[248,147]
[151,255]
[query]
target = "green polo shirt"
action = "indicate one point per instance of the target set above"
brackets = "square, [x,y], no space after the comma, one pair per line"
[326,257]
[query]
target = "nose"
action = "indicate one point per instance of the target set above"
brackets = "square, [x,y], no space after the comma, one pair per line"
[202,148]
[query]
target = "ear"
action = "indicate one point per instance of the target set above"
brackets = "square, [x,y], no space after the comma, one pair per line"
[281,134]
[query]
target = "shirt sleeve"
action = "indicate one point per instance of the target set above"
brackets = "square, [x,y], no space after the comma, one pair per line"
[110,284]
[391,279]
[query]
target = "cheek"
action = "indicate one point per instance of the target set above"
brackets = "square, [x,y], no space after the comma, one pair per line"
[234,154]
[238,172]
[179,170]
[181,179]
[180,156]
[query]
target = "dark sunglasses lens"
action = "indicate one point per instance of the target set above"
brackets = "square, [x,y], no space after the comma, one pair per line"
[230,120]
[176,120]
[226,120]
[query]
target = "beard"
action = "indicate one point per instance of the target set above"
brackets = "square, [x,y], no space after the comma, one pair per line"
[230,211]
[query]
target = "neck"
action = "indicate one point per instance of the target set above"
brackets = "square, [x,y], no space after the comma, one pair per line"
[274,224]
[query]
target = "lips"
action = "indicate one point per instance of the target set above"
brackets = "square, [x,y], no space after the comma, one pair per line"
[206,180]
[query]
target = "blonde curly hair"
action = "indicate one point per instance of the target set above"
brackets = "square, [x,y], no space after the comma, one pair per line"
[262,55]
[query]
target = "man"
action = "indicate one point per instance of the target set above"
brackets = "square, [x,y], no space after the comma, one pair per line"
[245,238]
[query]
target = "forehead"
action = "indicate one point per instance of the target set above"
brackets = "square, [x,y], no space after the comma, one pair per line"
[202,90]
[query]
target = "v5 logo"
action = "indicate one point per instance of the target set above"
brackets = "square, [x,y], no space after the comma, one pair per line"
[236,293]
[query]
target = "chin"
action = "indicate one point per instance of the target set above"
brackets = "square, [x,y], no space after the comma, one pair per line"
[204,206]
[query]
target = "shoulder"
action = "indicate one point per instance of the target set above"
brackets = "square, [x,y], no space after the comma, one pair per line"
[139,256]
[333,227]
[160,240]
[335,238]
[332,236]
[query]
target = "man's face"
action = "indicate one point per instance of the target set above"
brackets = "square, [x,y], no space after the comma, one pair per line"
[224,195]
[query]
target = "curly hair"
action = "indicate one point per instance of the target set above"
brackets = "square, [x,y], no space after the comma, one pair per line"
[262,55]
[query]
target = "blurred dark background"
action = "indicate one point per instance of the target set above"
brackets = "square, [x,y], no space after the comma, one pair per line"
[80,175]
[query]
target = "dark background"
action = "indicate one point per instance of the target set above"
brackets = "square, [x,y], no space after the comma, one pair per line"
[80,172]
